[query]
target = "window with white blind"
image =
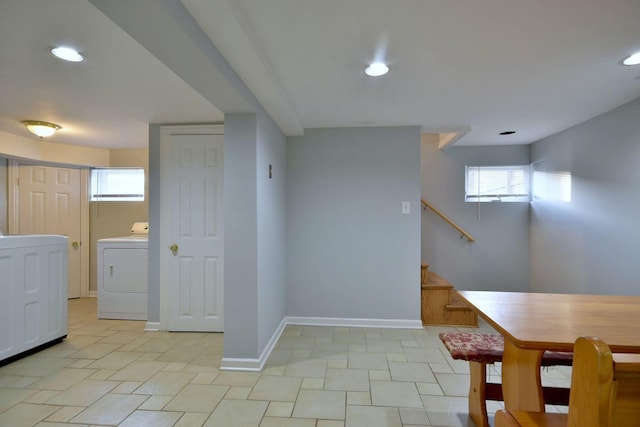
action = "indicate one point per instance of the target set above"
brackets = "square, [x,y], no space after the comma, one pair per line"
[497,183]
[117,184]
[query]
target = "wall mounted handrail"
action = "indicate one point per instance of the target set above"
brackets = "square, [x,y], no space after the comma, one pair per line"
[448,220]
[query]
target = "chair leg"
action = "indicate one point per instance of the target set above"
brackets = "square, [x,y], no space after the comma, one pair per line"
[477,394]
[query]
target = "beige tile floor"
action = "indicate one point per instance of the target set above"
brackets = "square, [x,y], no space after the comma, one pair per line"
[112,372]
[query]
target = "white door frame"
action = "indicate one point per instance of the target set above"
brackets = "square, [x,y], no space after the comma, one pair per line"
[165,207]
[14,212]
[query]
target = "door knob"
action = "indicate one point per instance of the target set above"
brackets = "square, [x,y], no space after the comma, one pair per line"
[174,248]
[75,245]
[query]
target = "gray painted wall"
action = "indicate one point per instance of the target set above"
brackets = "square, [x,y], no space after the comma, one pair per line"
[254,233]
[499,258]
[590,245]
[154,200]
[271,193]
[241,237]
[351,252]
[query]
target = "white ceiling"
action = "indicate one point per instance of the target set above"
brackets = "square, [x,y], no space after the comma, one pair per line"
[106,101]
[483,66]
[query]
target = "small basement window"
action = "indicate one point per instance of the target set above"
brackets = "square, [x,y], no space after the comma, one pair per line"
[117,184]
[497,183]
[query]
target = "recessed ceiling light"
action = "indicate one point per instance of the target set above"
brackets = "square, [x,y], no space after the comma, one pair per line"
[507,132]
[632,59]
[67,54]
[376,69]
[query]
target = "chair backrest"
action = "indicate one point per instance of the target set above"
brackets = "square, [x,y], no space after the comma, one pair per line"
[592,386]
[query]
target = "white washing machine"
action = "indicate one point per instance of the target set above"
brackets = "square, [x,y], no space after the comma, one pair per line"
[122,275]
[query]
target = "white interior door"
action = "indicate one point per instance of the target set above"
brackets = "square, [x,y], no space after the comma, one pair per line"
[50,204]
[193,191]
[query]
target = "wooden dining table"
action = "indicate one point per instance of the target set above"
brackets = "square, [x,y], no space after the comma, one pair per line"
[532,323]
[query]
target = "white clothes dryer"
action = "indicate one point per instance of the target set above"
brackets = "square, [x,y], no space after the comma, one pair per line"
[122,275]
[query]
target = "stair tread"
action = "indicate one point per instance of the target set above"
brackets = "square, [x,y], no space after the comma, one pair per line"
[436,286]
[457,307]
[436,282]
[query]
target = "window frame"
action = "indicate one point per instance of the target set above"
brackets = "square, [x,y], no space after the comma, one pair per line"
[498,196]
[98,177]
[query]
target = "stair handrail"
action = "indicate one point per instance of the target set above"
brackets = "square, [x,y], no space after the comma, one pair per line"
[448,220]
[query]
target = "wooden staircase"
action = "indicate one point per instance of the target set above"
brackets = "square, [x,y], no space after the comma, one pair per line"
[441,305]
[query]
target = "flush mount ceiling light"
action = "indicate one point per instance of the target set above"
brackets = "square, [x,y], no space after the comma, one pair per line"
[67,54]
[376,69]
[41,129]
[632,59]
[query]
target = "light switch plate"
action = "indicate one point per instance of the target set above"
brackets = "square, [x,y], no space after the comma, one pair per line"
[406,208]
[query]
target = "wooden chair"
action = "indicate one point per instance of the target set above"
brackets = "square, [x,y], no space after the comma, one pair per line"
[592,393]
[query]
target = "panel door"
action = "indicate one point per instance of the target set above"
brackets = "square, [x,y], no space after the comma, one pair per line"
[195,263]
[50,204]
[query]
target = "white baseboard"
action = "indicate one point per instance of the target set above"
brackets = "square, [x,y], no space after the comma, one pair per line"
[152,326]
[240,364]
[93,294]
[256,365]
[360,323]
